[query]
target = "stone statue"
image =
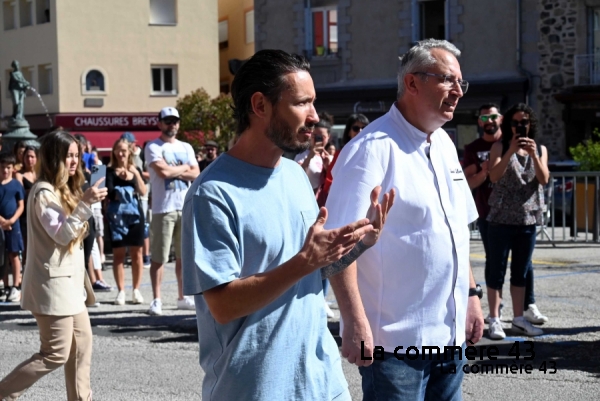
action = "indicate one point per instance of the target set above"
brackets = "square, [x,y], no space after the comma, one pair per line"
[18,87]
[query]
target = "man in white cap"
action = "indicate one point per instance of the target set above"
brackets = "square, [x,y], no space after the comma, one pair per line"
[172,166]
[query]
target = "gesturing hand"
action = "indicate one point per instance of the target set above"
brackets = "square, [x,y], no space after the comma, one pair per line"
[94,194]
[323,247]
[377,213]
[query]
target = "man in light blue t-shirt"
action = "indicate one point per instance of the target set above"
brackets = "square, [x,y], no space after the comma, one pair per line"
[253,253]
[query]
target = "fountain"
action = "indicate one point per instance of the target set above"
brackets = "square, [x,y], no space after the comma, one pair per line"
[31,88]
[18,127]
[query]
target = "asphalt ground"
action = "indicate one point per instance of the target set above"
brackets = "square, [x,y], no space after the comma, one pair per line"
[139,357]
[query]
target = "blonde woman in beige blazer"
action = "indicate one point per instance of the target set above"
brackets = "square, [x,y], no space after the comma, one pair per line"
[53,281]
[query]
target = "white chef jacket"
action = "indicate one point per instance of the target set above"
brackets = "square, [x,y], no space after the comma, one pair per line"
[414,282]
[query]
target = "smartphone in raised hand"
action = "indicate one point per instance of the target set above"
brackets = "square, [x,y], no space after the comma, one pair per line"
[98,171]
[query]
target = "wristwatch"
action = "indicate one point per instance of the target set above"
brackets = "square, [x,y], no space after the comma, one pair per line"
[476,291]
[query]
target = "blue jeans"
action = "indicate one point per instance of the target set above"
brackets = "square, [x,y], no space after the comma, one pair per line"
[418,380]
[484,225]
[502,239]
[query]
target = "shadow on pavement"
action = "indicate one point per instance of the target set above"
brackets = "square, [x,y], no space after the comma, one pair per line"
[549,356]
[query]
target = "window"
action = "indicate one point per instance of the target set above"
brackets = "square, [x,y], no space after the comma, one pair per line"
[432,19]
[42,11]
[223,34]
[249,26]
[163,12]
[164,80]
[594,30]
[45,84]
[94,81]
[9,10]
[325,38]
[26,12]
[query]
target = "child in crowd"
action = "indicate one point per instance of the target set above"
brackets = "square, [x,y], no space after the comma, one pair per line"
[11,208]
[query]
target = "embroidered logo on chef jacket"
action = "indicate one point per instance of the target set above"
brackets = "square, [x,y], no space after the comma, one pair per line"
[457,174]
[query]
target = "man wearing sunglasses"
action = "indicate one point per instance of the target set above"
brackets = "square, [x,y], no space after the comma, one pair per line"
[476,162]
[172,166]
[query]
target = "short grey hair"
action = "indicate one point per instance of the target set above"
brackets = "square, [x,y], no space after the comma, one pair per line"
[419,57]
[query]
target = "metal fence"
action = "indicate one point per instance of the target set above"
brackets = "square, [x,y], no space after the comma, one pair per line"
[587,69]
[571,212]
[572,201]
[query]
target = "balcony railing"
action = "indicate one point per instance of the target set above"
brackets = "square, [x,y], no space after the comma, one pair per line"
[587,69]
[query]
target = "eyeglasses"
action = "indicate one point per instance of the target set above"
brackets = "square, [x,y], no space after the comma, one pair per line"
[522,123]
[357,128]
[170,121]
[449,80]
[489,117]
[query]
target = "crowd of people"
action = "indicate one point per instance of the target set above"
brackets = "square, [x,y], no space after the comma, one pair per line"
[256,236]
[129,218]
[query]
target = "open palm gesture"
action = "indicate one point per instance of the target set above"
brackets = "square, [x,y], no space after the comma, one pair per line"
[377,214]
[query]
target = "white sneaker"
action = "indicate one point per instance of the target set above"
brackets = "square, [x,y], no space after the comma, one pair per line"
[533,315]
[155,307]
[522,326]
[137,297]
[487,318]
[14,295]
[120,299]
[496,332]
[187,303]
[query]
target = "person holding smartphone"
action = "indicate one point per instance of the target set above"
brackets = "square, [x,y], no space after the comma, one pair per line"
[125,187]
[315,161]
[519,171]
[53,280]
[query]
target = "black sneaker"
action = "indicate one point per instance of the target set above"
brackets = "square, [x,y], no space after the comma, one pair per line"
[101,286]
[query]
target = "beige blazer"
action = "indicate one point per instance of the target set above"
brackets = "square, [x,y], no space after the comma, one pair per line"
[53,279]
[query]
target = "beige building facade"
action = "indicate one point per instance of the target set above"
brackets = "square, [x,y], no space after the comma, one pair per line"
[512,51]
[236,37]
[110,64]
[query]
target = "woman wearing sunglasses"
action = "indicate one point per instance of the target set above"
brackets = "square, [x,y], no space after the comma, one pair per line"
[519,171]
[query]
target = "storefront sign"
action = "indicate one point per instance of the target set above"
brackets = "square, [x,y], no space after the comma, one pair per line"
[104,121]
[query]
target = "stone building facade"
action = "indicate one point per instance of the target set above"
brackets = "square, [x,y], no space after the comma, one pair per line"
[513,51]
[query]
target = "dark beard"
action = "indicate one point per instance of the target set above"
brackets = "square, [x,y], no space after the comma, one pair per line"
[284,137]
[491,129]
[169,133]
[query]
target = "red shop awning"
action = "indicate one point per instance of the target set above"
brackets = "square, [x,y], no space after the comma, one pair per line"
[104,140]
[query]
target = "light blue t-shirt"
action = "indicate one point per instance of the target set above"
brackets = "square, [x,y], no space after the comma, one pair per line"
[239,220]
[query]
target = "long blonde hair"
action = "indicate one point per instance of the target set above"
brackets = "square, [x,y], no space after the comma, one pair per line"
[52,169]
[113,159]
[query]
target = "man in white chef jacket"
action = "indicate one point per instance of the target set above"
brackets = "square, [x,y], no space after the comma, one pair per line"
[414,288]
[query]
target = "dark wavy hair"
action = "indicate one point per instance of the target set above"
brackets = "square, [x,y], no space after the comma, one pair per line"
[361,118]
[507,133]
[265,72]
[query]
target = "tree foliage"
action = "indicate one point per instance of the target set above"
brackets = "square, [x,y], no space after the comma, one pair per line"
[587,154]
[203,119]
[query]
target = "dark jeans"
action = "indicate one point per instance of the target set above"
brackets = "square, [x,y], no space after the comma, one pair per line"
[529,293]
[418,380]
[504,238]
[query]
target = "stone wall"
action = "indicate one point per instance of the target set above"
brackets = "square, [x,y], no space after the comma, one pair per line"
[557,46]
